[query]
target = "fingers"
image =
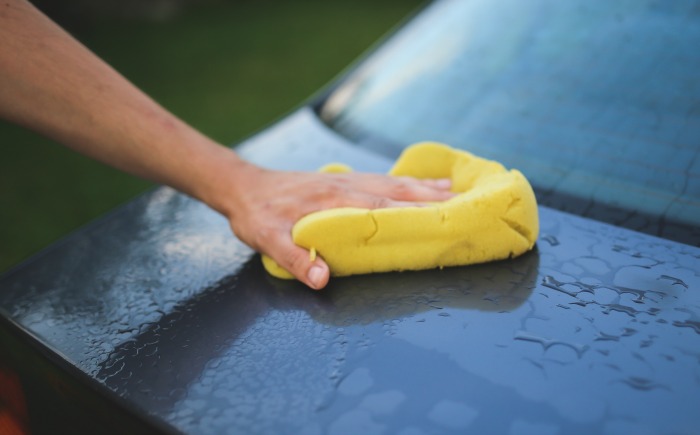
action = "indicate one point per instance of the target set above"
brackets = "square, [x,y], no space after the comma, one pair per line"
[313,272]
[317,275]
[412,189]
[284,198]
[437,183]
[388,192]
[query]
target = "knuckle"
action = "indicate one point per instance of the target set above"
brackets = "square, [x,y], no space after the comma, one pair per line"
[333,191]
[263,235]
[295,260]
[380,202]
[403,191]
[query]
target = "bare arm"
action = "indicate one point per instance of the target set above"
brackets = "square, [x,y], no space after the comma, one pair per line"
[51,83]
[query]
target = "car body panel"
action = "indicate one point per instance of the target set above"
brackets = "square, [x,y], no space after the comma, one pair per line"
[595,102]
[596,330]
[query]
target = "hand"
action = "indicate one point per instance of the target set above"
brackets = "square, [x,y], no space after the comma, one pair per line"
[271,202]
[54,85]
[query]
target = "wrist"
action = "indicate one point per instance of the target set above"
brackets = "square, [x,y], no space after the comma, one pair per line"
[226,182]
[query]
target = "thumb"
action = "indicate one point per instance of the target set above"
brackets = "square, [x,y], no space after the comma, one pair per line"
[304,266]
[317,275]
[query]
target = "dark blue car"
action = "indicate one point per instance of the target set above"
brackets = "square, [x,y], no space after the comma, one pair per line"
[156,319]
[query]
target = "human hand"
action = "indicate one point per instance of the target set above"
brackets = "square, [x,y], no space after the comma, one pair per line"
[271,203]
[109,119]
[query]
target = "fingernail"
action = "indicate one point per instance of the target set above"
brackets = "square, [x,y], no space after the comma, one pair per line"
[315,276]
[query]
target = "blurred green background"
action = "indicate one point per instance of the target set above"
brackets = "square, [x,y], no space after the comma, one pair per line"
[228,68]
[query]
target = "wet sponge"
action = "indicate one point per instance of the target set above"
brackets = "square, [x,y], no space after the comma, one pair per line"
[493,217]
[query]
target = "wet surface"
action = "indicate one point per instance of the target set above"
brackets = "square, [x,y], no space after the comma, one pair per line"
[596,330]
[597,103]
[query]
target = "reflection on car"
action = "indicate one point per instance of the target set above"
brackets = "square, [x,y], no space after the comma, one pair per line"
[158,315]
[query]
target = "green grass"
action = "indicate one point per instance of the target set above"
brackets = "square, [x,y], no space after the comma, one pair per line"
[227,69]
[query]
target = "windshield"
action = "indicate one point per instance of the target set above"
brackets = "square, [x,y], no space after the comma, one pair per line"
[598,103]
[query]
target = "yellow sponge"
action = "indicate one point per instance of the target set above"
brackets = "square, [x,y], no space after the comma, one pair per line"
[493,217]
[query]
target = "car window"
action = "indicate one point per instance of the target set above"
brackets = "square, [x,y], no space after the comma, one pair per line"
[598,103]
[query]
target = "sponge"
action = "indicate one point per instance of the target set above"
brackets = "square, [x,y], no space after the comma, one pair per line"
[493,217]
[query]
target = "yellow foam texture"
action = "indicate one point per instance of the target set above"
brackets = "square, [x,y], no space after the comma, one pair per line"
[492,217]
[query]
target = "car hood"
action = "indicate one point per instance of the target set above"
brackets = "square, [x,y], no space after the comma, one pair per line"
[597,329]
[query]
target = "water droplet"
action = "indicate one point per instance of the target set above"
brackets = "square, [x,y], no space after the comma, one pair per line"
[546,343]
[602,336]
[674,281]
[607,308]
[553,241]
[560,286]
[643,384]
[695,325]
[627,332]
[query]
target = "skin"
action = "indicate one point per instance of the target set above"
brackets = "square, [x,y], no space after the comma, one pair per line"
[51,83]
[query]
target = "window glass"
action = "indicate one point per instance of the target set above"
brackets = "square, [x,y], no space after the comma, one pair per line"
[598,103]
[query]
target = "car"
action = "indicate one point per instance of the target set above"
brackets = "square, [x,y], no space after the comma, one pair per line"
[156,319]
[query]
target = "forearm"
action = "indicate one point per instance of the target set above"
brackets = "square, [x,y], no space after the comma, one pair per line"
[58,87]
[51,83]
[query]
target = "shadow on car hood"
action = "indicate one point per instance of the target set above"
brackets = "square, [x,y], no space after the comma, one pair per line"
[235,303]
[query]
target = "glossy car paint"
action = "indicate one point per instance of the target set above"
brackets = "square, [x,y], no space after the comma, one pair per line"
[595,102]
[596,330]
[160,313]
